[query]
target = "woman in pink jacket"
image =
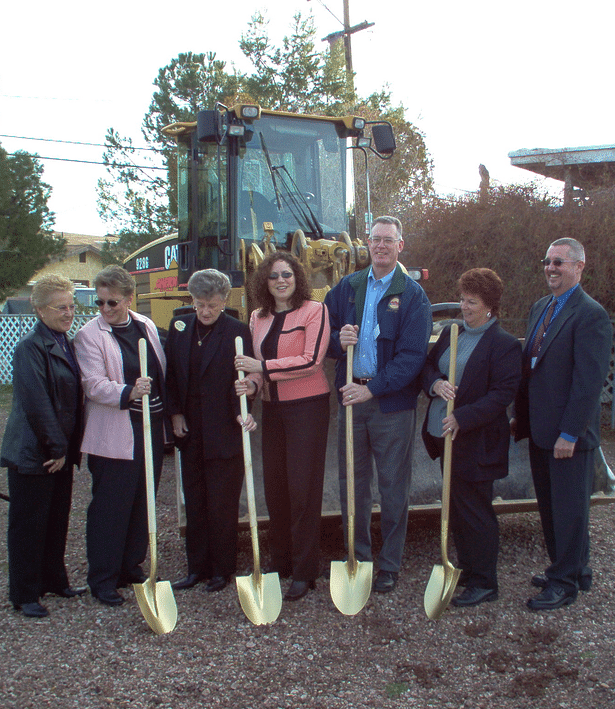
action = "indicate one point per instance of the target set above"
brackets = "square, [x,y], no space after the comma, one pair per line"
[108,355]
[290,334]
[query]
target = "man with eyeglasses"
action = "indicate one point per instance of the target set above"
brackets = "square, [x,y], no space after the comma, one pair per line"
[387,317]
[565,363]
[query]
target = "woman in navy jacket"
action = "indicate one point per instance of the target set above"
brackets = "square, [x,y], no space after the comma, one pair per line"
[488,374]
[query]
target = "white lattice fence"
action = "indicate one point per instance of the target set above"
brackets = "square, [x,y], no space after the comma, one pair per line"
[12,329]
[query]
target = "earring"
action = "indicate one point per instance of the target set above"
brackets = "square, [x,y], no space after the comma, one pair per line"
[489,314]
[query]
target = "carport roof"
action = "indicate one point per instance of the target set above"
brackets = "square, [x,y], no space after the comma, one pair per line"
[587,167]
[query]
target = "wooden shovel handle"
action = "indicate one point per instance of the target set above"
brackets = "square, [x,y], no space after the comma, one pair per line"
[247,461]
[350,501]
[448,448]
[149,465]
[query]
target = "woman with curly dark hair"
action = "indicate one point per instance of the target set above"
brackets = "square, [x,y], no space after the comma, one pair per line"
[290,334]
[488,374]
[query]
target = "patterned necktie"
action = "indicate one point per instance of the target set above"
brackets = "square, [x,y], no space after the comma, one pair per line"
[540,333]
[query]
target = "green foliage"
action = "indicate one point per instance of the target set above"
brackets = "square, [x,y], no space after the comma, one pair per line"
[402,183]
[294,77]
[27,242]
[510,234]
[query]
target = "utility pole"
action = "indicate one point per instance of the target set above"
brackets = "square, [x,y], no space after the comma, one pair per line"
[346,34]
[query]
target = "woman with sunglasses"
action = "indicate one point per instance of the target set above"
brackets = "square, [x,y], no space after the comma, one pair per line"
[290,334]
[108,355]
[41,447]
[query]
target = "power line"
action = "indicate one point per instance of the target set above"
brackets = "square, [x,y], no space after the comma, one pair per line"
[74,142]
[94,162]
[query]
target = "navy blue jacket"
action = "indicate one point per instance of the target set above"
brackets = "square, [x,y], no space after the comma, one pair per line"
[404,319]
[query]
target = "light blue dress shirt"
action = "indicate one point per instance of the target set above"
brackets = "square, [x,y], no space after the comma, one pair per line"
[365,363]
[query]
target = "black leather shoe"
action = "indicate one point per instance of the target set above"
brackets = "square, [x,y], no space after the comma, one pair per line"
[189,582]
[541,581]
[216,583]
[298,589]
[385,581]
[472,596]
[109,598]
[32,610]
[550,598]
[67,592]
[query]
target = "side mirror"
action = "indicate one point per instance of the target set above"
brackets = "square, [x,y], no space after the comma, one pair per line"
[384,140]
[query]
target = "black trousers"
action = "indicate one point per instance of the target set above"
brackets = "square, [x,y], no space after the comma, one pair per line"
[294,453]
[116,529]
[563,490]
[38,525]
[475,529]
[211,489]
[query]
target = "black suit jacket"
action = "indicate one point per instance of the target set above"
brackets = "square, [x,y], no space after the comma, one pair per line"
[219,406]
[488,385]
[46,418]
[562,392]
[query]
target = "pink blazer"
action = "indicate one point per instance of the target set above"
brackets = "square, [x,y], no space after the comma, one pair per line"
[108,431]
[298,369]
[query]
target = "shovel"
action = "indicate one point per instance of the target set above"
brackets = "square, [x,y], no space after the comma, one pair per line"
[444,577]
[351,581]
[155,599]
[260,594]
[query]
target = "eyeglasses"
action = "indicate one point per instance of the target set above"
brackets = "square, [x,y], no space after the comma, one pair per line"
[557,262]
[387,241]
[110,303]
[63,308]
[285,275]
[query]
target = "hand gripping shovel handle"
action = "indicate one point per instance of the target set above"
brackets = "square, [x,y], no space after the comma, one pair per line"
[247,459]
[149,467]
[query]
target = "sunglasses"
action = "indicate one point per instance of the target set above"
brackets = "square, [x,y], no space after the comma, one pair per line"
[110,303]
[285,275]
[557,262]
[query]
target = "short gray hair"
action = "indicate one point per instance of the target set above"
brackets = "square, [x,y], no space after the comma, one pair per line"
[46,286]
[116,278]
[390,220]
[207,283]
[574,247]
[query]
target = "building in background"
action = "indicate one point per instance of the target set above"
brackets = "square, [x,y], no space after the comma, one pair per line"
[81,262]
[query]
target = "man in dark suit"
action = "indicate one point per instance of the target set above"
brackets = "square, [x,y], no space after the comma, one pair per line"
[565,363]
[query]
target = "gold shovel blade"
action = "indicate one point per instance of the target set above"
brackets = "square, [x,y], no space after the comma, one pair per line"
[440,589]
[350,591]
[157,604]
[261,601]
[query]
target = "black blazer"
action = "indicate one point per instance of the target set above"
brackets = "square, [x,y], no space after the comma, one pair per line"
[219,405]
[488,385]
[562,392]
[46,416]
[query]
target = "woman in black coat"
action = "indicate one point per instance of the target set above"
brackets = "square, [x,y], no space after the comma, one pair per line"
[206,419]
[40,447]
[488,374]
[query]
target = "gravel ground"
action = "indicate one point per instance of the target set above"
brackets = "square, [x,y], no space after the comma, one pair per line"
[89,656]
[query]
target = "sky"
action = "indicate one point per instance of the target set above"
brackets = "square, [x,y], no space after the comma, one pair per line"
[479,79]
